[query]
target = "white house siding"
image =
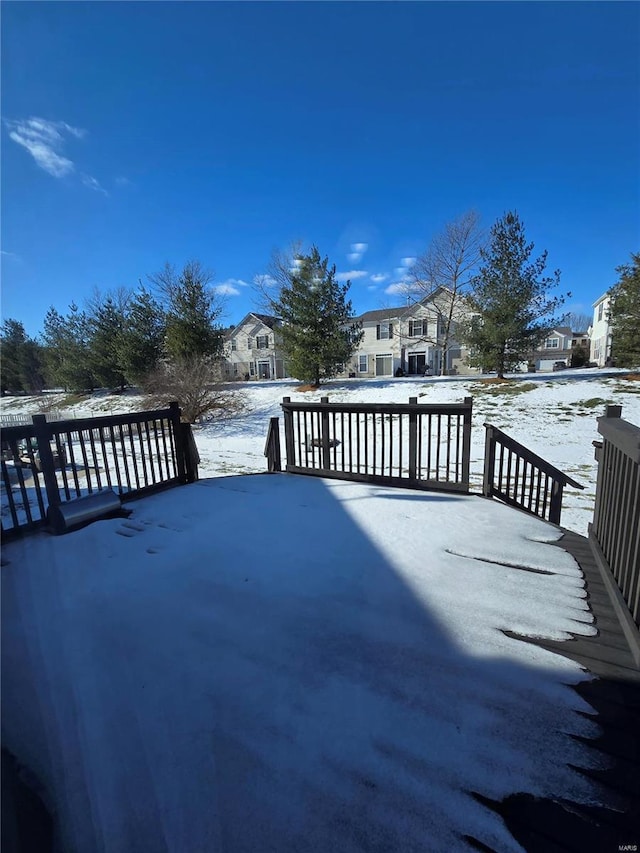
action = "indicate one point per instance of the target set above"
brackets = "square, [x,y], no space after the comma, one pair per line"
[411,352]
[248,360]
[600,351]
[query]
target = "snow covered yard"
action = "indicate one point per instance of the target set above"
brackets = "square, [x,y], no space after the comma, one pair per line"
[554,415]
[287,663]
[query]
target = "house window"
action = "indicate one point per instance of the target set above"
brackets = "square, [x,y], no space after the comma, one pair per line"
[235,369]
[600,310]
[234,345]
[262,341]
[417,328]
[442,328]
[252,368]
[551,343]
[363,363]
[384,331]
[249,341]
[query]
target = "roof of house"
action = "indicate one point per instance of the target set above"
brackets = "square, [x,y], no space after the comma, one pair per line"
[265,319]
[601,299]
[402,310]
[382,314]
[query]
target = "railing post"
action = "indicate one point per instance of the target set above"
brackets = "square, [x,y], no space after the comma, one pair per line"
[272,449]
[191,455]
[47,466]
[289,442]
[489,461]
[413,440]
[555,505]
[466,441]
[602,454]
[178,435]
[599,456]
[326,460]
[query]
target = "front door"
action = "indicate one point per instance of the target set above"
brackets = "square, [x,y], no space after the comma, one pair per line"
[417,363]
[264,369]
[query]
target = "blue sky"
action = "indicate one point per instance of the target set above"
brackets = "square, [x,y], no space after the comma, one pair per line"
[139,133]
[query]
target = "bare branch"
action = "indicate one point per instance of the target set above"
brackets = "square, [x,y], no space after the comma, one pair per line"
[195,383]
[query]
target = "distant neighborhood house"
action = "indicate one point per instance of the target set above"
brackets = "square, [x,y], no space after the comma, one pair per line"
[410,339]
[252,349]
[601,332]
[560,345]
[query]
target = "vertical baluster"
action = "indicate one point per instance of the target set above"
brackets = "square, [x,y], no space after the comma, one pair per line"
[125,460]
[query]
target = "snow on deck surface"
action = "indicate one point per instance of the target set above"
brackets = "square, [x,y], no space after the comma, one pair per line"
[282,663]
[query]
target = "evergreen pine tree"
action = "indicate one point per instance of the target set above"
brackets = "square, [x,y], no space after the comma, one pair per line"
[513,309]
[66,349]
[12,341]
[192,312]
[106,328]
[318,333]
[141,344]
[624,315]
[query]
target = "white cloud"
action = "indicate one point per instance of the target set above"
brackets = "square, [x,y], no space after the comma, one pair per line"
[352,275]
[93,184]
[264,280]
[404,287]
[227,289]
[121,181]
[44,140]
[230,286]
[359,247]
[372,287]
[354,257]
[379,277]
[407,262]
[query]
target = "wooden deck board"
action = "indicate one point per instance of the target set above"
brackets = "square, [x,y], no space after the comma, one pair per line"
[545,825]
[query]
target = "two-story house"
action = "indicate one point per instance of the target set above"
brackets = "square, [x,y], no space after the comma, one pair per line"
[559,346]
[556,347]
[411,339]
[601,332]
[252,351]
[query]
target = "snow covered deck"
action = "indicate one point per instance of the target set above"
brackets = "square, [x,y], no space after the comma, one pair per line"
[285,663]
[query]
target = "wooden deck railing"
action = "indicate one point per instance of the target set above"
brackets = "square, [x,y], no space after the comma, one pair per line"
[615,531]
[517,476]
[415,445]
[47,463]
[272,446]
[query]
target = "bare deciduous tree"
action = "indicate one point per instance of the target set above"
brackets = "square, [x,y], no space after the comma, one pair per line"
[449,262]
[196,384]
[577,321]
[268,286]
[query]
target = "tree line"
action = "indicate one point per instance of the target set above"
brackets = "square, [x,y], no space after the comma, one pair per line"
[152,337]
[500,304]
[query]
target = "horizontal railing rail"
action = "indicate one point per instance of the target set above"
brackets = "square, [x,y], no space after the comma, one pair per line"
[18,419]
[48,463]
[415,445]
[615,531]
[521,478]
